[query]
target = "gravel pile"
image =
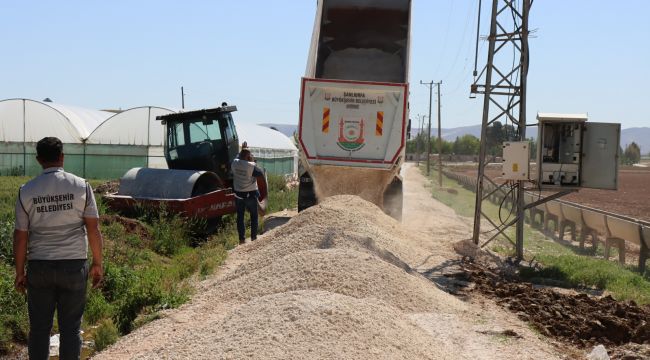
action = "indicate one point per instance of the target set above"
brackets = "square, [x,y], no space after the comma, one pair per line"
[335,282]
[347,272]
[307,324]
[343,221]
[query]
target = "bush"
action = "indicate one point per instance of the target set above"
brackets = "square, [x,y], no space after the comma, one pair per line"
[170,234]
[6,241]
[276,183]
[13,311]
[97,307]
[105,335]
[280,197]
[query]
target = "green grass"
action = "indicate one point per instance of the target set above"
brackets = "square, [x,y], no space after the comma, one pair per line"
[141,277]
[13,311]
[105,334]
[9,193]
[280,197]
[562,264]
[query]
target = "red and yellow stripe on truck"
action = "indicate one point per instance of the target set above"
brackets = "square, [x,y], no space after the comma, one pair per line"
[379,127]
[326,120]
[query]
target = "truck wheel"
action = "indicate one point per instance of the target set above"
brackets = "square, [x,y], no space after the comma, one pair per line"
[393,199]
[306,194]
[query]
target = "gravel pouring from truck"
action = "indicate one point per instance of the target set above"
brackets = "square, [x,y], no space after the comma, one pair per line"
[354,103]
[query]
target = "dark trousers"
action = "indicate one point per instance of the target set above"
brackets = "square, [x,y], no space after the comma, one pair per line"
[60,285]
[246,201]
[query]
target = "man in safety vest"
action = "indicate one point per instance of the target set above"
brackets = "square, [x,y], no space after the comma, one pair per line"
[245,174]
[56,219]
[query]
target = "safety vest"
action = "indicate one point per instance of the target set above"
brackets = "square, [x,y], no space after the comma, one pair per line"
[243,179]
[55,202]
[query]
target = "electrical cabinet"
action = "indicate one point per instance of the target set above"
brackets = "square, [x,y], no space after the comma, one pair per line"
[516,160]
[572,153]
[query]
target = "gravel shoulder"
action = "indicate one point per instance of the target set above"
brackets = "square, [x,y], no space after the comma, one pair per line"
[342,280]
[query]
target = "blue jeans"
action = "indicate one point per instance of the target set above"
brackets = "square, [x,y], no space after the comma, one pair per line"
[248,202]
[60,285]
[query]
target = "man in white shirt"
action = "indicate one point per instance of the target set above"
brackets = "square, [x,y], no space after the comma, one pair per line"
[245,174]
[56,219]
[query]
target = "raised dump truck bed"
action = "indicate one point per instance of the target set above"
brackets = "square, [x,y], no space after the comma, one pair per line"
[354,103]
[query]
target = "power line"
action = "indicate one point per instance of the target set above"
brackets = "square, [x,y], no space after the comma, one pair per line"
[461,44]
[446,37]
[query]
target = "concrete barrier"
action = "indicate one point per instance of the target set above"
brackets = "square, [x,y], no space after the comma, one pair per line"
[615,229]
[620,231]
[553,213]
[645,247]
[595,225]
[538,211]
[571,217]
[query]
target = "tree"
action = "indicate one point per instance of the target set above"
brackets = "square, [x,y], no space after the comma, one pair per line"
[466,145]
[533,148]
[497,134]
[632,154]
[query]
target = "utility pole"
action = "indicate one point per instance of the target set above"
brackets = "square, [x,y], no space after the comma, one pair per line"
[417,142]
[430,85]
[419,138]
[439,139]
[182,98]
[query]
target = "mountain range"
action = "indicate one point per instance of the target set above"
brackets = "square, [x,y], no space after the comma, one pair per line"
[639,135]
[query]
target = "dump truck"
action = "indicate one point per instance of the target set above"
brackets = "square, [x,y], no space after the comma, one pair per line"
[354,119]
[199,148]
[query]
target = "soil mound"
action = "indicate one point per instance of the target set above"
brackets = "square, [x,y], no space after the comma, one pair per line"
[579,319]
[108,187]
[131,226]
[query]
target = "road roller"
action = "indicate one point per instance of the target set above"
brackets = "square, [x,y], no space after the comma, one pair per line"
[199,148]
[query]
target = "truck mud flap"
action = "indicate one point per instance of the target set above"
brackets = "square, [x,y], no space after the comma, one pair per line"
[394,199]
[306,193]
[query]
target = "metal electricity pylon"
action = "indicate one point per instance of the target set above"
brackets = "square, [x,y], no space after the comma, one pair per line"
[504,98]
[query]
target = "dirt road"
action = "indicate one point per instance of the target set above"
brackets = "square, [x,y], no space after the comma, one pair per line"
[342,280]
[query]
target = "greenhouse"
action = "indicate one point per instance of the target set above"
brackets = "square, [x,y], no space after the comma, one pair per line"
[105,144]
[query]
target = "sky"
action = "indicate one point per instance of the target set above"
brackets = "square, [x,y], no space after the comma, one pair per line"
[586,56]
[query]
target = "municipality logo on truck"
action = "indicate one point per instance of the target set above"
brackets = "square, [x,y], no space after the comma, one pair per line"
[351,134]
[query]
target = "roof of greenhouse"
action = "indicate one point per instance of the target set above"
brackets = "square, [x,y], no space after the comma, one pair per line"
[25,120]
[262,137]
[136,126]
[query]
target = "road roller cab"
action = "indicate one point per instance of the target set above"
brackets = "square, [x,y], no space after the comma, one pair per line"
[199,148]
[201,140]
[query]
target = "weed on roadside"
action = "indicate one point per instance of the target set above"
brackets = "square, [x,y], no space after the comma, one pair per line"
[105,334]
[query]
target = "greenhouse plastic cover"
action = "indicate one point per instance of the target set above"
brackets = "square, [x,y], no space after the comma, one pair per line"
[23,120]
[136,126]
[262,137]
